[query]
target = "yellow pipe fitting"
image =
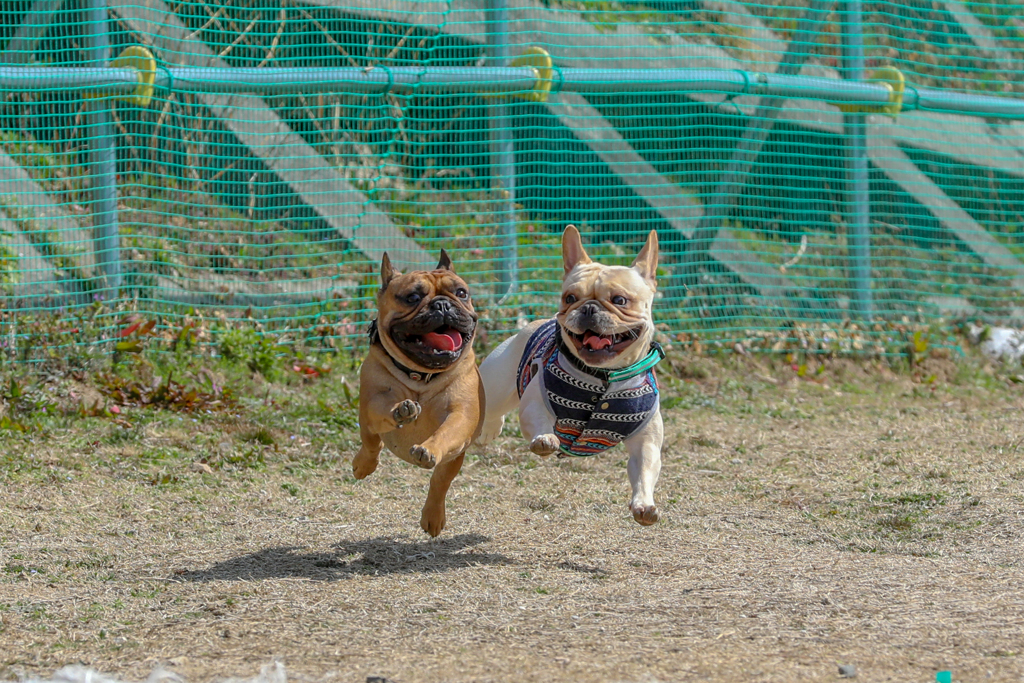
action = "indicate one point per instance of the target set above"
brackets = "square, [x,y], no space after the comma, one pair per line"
[537,59]
[144,63]
[891,78]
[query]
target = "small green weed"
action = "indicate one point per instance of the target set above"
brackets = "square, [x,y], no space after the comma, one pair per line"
[897,522]
[259,435]
[251,458]
[259,352]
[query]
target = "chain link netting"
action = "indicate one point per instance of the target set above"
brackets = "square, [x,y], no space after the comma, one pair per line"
[275,203]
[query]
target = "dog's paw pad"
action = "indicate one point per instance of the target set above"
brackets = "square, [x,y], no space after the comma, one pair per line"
[423,457]
[544,445]
[405,412]
[645,515]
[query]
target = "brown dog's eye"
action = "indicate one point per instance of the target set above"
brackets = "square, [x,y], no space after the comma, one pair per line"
[570,299]
[461,293]
[414,298]
[619,300]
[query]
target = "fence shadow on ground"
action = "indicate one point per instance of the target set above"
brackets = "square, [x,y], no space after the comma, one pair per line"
[379,556]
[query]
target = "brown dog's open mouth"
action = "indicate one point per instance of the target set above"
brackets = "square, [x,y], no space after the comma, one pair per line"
[595,345]
[443,340]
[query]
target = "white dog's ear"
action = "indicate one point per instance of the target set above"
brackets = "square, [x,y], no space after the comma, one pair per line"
[573,253]
[646,262]
[445,263]
[387,272]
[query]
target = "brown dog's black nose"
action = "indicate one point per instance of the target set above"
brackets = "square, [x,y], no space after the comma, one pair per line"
[588,310]
[441,305]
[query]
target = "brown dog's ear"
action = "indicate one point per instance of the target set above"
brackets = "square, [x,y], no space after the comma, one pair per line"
[573,253]
[646,261]
[446,262]
[387,272]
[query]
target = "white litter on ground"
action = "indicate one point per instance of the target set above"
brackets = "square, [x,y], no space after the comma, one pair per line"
[998,343]
[269,673]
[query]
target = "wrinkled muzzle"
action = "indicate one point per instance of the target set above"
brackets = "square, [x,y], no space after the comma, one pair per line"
[437,334]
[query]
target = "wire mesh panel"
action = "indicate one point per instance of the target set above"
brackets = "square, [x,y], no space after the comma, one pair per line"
[808,166]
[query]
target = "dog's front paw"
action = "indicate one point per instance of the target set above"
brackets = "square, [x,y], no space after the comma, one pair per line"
[432,521]
[544,445]
[405,412]
[423,457]
[645,515]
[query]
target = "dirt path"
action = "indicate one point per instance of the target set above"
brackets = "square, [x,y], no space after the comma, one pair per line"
[802,529]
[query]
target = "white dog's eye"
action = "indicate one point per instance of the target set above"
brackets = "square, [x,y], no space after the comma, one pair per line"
[570,299]
[619,300]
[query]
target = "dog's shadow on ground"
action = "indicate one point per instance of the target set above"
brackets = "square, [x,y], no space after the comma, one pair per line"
[371,557]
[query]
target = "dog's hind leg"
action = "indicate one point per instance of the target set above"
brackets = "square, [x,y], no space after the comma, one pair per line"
[644,468]
[494,418]
[380,411]
[498,374]
[432,518]
[366,460]
[537,422]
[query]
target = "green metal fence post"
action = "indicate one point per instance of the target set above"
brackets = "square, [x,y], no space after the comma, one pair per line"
[103,153]
[503,158]
[858,200]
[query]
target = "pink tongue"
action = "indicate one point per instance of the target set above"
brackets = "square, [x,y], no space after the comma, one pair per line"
[448,341]
[595,342]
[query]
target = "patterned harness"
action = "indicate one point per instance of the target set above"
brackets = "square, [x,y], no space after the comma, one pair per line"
[591,414]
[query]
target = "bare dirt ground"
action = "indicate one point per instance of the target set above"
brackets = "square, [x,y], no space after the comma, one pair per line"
[861,518]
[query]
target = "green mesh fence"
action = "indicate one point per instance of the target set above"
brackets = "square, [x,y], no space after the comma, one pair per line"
[289,143]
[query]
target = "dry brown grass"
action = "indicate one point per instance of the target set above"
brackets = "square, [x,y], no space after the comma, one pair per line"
[862,519]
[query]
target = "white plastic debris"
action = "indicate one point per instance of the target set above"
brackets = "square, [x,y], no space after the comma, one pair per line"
[269,673]
[998,343]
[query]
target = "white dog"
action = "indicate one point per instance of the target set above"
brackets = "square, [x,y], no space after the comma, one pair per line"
[584,381]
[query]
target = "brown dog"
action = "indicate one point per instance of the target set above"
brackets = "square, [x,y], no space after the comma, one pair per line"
[419,389]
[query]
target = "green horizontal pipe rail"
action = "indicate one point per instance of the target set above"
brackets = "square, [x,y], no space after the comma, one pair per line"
[51,78]
[501,80]
[931,99]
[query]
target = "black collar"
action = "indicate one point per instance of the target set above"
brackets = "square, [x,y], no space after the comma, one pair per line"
[414,375]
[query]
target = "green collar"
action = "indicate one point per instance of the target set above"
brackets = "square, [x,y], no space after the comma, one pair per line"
[643,365]
[640,367]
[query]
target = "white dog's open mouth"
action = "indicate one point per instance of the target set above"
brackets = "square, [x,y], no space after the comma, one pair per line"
[596,345]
